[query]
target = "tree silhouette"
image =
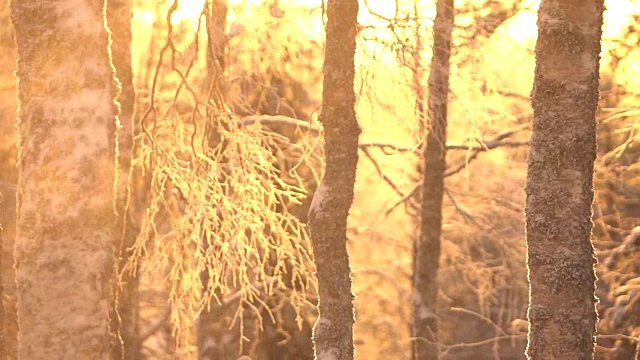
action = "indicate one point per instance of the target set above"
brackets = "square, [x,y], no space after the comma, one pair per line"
[427,247]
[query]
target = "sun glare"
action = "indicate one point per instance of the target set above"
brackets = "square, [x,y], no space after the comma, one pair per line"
[188,11]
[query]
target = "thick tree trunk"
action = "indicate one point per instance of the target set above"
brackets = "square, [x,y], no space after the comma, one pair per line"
[125,321]
[8,179]
[333,331]
[64,250]
[427,248]
[3,346]
[559,187]
[8,311]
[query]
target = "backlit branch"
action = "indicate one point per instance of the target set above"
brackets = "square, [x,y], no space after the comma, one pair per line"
[497,140]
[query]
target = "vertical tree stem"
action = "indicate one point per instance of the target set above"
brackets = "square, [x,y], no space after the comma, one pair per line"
[333,332]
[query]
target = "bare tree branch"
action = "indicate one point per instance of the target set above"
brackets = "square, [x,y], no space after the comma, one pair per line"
[497,140]
[480,144]
[384,176]
[281,120]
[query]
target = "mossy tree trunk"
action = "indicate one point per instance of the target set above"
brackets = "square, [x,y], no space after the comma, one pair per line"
[559,186]
[67,122]
[333,331]
[427,247]
[125,321]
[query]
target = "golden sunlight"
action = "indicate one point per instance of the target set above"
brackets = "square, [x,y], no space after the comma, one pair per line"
[221,181]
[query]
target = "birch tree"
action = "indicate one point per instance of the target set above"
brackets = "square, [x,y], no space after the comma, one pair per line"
[67,121]
[427,247]
[559,187]
[3,341]
[333,331]
[8,178]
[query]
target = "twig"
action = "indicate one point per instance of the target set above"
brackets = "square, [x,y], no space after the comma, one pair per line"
[481,145]
[487,145]
[388,148]
[281,120]
[635,339]
[404,198]
[497,140]
[493,142]
[480,343]
[156,325]
[385,177]
[468,218]
[481,317]
[462,165]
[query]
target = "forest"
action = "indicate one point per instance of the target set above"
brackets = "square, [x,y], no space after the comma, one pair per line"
[320,179]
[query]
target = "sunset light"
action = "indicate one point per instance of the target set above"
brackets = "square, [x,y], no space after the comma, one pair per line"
[320,179]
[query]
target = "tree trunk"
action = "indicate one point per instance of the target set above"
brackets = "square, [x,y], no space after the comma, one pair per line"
[67,120]
[125,321]
[559,187]
[333,331]
[212,324]
[216,45]
[8,179]
[8,311]
[3,341]
[427,248]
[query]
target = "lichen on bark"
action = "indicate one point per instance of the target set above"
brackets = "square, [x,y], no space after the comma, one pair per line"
[559,186]
[333,332]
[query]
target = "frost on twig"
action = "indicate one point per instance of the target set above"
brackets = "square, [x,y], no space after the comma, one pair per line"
[222,212]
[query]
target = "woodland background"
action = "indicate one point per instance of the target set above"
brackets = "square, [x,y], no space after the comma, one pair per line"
[273,66]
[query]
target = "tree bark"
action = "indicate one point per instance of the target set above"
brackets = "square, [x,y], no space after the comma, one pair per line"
[427,248]
[3,341]
[216,45]
[8,177]
[125,320]
[67,122]
[559,187]
[333,331]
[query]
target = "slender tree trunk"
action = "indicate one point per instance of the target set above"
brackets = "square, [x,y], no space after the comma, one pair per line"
[64,250]
[125,320]
[427,248]
[216,44]
[212,324]
[333,331]
[559,187]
